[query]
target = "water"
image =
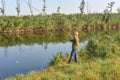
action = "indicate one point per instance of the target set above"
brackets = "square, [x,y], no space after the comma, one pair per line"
[22,54]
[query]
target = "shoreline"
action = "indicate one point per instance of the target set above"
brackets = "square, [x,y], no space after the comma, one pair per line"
[37,30]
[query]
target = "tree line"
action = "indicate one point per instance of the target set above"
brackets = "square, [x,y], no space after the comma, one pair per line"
[31,7]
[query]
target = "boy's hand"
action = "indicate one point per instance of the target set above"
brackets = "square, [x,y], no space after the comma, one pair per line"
[71,37]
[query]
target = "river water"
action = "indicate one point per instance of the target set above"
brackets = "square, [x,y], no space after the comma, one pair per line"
[31,52]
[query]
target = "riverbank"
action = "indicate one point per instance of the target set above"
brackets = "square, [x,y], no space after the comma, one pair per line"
[90,69]
[98,61]
[85,69]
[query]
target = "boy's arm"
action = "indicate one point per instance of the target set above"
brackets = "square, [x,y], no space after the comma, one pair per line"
[72,38]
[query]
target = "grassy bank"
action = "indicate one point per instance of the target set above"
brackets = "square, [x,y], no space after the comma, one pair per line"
[88,69]
[14,24]
[100,60]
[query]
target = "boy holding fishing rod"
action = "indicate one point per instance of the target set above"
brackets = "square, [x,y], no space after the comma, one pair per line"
[75,42]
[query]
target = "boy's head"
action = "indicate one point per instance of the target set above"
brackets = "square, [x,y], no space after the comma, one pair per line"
[76,33]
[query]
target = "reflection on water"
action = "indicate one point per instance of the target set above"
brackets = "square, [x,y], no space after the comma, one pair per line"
[1,77]
[28,58]
[26,52]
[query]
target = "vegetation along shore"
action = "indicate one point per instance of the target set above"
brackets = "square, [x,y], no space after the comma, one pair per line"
[39,23]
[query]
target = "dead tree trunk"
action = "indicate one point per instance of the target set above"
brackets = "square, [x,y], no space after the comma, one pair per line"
[2,9]
[44,7]
[30,6]
[18,7]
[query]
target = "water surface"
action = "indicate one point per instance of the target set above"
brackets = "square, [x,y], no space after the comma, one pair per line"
[27,52]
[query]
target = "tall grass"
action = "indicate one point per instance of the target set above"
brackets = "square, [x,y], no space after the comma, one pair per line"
[48,22]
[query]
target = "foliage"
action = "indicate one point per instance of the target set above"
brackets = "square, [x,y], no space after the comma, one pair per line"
[58,21]
[58,58]
[104,46]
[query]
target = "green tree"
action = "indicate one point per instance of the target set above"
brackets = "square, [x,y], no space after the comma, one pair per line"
[82,6]
[110,6]
[58,9]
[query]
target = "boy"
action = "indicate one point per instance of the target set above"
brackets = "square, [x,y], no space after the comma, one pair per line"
[75,43]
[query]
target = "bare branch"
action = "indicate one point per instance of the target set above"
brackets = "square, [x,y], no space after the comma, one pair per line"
[18,7]
[30,6]
[2,9]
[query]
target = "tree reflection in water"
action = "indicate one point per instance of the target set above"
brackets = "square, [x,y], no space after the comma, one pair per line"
[6,51]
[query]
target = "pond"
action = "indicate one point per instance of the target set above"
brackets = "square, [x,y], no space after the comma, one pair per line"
[22,53]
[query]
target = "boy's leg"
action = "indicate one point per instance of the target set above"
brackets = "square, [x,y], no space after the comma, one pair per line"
[71,55]
[76,55]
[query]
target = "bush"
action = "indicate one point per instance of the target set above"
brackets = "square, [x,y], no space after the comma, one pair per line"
[104,47]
